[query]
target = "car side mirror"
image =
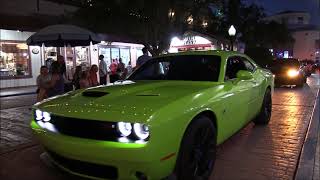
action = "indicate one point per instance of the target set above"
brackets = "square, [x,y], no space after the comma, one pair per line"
[244,75]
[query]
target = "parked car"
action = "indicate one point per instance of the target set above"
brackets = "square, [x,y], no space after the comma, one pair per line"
[288,72]
[165,120]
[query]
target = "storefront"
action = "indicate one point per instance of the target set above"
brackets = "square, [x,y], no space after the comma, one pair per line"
[193,41]
[20,64]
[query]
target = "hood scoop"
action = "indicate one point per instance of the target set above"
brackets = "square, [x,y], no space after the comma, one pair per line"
[94,93]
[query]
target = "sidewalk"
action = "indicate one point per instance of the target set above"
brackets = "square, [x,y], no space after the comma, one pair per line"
[17,91]
[309,163]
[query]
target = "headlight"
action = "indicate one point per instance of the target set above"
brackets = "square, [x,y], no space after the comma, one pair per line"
[42,115]
[43,120]
[141,131]
[46,116]
[124,128]
[38,114]
[292,73]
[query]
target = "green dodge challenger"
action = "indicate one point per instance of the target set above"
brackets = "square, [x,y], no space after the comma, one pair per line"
[163,122]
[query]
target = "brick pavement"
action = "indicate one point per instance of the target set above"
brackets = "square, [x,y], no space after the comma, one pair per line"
[269,152]
[17,101]
[15,131]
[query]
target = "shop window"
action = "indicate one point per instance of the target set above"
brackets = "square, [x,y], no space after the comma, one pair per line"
[14,60]
[106,53]
[50,55]
[82,57]
[139,53]
[300,20]
[115,54]
[125,55]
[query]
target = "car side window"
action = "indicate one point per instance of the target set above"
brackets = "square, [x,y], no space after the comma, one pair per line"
[234,64]
[250,67]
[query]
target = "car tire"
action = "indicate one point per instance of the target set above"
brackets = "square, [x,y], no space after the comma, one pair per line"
[197,152]
[264,115]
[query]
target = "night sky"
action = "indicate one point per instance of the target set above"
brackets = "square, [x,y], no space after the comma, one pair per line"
[275,6]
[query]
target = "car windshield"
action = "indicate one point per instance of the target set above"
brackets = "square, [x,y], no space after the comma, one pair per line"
[182,67]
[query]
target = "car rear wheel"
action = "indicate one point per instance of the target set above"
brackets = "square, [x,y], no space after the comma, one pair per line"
[265,113]
[197,152]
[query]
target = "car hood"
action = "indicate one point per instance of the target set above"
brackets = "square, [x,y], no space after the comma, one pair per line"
[129,100]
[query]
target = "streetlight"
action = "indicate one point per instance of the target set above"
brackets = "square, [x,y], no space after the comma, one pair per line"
[171,13]
[232,32]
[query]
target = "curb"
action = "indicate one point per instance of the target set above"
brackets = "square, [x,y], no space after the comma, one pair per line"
[18,94]
[306,162]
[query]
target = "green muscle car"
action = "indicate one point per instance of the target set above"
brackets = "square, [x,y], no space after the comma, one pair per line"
[163,122]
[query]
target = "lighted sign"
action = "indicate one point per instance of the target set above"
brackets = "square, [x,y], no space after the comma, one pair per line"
[189,40]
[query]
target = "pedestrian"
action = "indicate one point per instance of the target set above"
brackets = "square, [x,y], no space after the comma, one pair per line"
[60,65]
[103,70]
[113,71]
[93,75]
[127,70]
[144,58]
[85,80]
[56,85]
[121,69]
[76,77]
[43,82]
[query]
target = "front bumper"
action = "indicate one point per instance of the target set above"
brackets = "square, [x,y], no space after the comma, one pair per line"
[285,80]
[122,160]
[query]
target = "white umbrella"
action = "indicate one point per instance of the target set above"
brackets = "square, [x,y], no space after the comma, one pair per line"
[63,35]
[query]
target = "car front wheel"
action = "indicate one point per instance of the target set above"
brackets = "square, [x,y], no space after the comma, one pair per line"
[265,112]
[197,151]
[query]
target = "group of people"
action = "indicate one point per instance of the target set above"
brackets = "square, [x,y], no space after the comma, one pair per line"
[117,69]
[52,80]
[85,78]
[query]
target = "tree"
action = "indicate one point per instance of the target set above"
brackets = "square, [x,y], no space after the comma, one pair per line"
[252,29]
[152,23]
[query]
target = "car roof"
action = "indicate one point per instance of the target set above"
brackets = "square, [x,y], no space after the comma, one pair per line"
[210,52]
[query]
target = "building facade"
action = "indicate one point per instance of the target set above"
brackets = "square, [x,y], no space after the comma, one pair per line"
[306,35]
[20,64]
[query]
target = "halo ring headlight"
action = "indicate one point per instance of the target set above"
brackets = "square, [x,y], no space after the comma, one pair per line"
[46,116]
[124,128]
[141,131]
[39,115]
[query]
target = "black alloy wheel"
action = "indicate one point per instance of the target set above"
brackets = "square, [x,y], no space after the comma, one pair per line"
[197,151]
[265,113]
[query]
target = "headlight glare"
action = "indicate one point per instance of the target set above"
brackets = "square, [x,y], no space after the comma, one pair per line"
[293,73]
[141,131]
[46,116]
[38,115]
[124,128]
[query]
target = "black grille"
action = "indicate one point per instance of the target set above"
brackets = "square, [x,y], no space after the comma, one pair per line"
[96,170]
[90,129]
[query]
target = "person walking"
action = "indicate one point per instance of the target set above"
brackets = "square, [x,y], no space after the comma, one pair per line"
[103,70]
[144,58]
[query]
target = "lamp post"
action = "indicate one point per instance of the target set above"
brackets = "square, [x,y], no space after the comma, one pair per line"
[232,32]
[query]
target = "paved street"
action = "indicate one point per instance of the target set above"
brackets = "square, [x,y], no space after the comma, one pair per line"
[256,152]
